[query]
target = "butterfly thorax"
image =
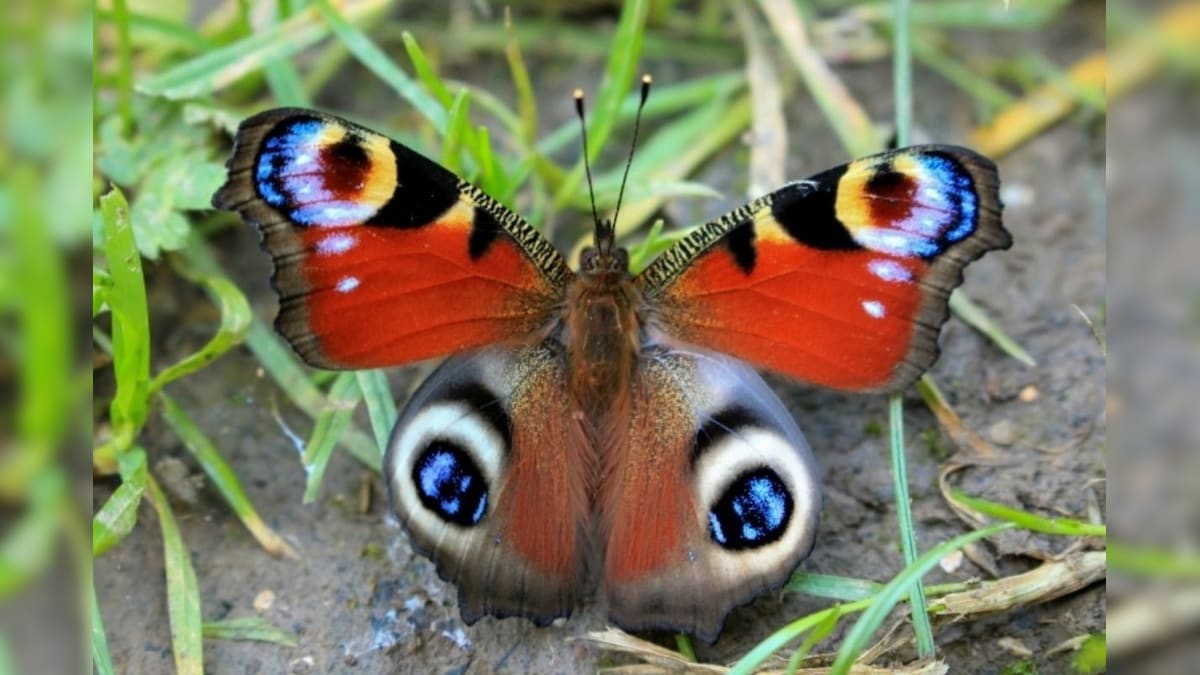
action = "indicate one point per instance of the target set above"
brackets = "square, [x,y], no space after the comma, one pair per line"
[602,332]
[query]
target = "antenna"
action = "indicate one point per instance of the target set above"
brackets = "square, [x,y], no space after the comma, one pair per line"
[637,123]
[587,166]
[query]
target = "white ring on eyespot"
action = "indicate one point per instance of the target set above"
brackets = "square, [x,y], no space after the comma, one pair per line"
[454,422]
[722,462]
[874,308]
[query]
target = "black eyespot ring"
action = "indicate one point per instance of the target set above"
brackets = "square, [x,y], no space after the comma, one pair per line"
[752,512]
[450,484]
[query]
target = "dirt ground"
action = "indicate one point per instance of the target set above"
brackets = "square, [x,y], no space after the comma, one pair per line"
[361,601]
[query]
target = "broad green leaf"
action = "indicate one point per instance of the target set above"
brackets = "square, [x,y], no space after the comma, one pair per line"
[130,320]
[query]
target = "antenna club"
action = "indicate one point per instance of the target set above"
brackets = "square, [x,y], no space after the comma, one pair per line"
[577,94]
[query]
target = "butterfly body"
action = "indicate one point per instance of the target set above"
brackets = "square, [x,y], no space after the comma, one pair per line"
[597,432]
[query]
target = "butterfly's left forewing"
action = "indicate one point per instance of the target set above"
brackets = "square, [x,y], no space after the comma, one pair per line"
[840,280]
[382,257]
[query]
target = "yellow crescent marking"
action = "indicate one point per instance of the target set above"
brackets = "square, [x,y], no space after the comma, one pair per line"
[380,181]
[767,228]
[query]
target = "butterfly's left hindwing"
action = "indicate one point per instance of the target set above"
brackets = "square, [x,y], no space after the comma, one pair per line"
[490,473]
[381,256]
[840,280]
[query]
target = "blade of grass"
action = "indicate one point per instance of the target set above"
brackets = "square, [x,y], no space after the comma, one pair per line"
[848,119]
[282,76]
[965,308]
[43,346]
[147,24]
[819,632]
[846,589]
[101,659]
[526,104]
[281,363]
[235,320]
[881,605]
[618,73]
[219,68]
[29,542]
[252,628]
[223,477]
[287,372]
[115,520]
[458,121]
[902,83]
[908,537]
[183,593]
[130,329]
[124,65]
[1030,521]
[1157,564]
[381,407]
[383,67]
[343,396]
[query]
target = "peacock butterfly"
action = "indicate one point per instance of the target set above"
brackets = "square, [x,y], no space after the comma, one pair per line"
[598,428]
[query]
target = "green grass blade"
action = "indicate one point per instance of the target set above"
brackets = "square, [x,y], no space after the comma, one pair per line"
[881,605]
[223,477]
[219,68]
[965,308]
[30,541]
[381,407]
[344,395]
[283,367]
[253,628]
[908,535]
[1153,563]
[902,88]
[116,518]
[458,121]
[526,102]
[779,639]
[124,65]
[183,593]
[130,320]
[618,73]
[846,589]
[235,320]
[1030,521]
[101,659]
[845,115]
[374,58]
[282,77]
[425,72]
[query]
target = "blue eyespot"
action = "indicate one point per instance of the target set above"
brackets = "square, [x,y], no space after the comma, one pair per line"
[753,511]
[450,484]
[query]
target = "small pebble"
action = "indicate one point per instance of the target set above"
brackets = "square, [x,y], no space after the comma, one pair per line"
[1003,432]
[1029,394]
[264,600]
[1014,647]
[951,562]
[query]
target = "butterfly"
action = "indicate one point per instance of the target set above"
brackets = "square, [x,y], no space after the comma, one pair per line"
[593,430]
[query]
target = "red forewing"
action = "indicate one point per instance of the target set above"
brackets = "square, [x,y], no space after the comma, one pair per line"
[381,256]
[841,280]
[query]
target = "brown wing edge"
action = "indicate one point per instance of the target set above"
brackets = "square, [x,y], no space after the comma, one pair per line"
[946,270]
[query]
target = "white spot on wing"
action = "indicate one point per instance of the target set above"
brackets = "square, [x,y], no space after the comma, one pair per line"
[347,284]
[874,308]
[335,243]
[889,270]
